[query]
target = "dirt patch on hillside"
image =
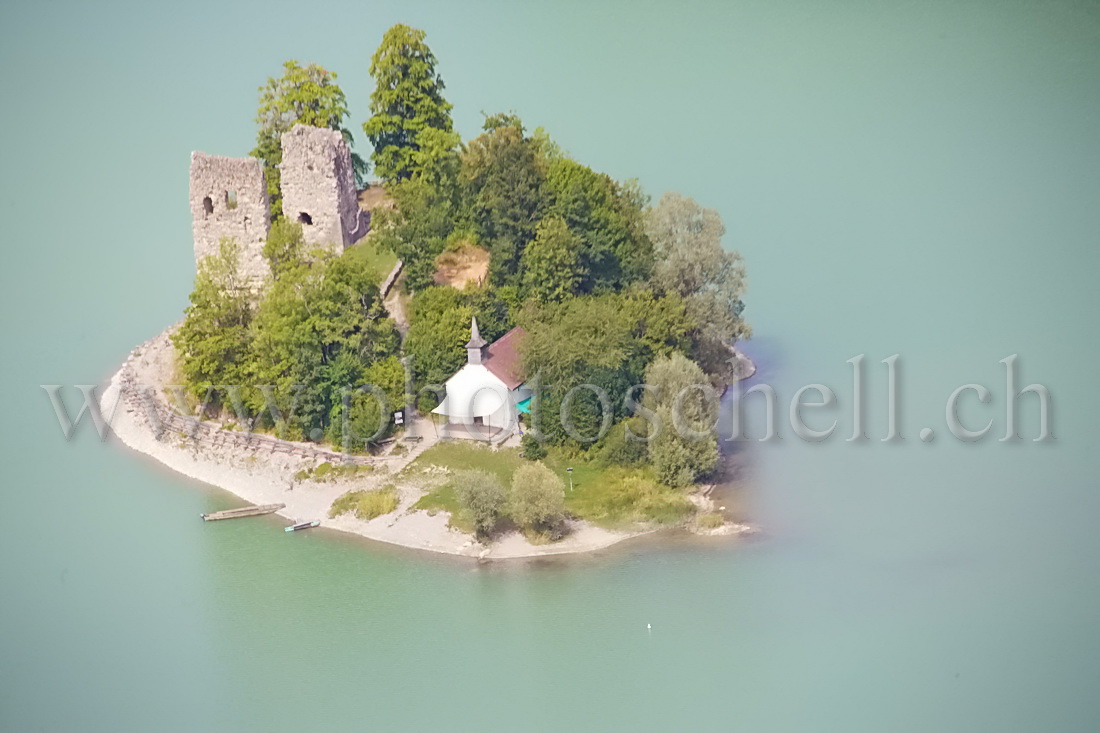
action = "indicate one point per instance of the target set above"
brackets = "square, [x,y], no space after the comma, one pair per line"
[375,197]
[463,265]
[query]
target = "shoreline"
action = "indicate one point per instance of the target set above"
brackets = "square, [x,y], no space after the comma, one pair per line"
[260,475]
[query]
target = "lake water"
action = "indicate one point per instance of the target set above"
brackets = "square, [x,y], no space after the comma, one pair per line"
[919,179]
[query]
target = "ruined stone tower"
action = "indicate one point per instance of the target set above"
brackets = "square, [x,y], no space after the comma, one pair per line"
[318,187]
[229,199]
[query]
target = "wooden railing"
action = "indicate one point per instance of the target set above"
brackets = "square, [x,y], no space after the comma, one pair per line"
[146,406]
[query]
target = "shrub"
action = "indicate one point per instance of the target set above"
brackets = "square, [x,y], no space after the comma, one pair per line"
[678,460]
[631,495]
[480,494]
[366,505]
[711,520]
[537,497]
[533,449]
[617,449]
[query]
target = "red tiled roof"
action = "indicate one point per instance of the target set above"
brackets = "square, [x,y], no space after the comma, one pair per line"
[503,359]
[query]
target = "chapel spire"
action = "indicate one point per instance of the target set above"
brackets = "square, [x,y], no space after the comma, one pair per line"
[476,345]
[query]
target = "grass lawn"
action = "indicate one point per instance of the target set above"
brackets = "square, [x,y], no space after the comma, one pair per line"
[617,496]
[381,260]
[609,496]
[461,456]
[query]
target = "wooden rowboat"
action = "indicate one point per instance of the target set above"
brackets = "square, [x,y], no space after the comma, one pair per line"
[244,511]
[302,525]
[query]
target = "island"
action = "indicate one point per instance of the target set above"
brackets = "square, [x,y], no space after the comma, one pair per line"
[487,349]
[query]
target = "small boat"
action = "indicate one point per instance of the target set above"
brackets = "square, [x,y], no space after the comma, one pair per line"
[245,511]
[302,525]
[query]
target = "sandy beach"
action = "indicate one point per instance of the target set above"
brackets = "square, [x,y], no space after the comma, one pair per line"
[261,476]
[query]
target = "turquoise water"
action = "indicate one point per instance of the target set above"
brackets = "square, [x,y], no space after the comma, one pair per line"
[918,178]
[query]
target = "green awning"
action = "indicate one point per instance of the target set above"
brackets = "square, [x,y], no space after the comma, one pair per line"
[524,406]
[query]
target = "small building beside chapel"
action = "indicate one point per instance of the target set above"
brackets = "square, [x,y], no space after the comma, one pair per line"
[486,396]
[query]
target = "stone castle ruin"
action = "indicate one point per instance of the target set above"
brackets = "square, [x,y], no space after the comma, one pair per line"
[229,199]
[318,187]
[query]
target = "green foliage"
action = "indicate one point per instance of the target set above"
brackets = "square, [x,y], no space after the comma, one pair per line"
[461,455]
[417,232]
[548,150]
[285,247]
[636,498]
[620,448]
[536,500]
[364,416]
[617,496]
[551,263]
[435,156]
[371,255]
[691,262]
[480,494]
[366,505]
[406,103]
[214,340]
[615,250]
[502,119]
[439,318]
[605,341]
[435,344]
[505,187]
[532,447]
[319,325]
[686,445]
[611,496]
[303,94]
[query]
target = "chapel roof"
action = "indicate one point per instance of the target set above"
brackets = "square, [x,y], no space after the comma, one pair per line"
[503,359]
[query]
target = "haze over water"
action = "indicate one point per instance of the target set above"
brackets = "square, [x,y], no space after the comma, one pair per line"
[917,179]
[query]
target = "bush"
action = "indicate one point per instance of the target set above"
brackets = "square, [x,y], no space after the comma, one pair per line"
[366,504]
[628,495]
[617,449]
[533,449]
[537,497]
[711,520]
[678,460]
[480,494]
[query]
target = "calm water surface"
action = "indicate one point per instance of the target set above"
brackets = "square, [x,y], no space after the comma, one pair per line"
[917,179]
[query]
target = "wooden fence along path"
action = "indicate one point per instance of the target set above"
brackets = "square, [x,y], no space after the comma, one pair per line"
[142,402]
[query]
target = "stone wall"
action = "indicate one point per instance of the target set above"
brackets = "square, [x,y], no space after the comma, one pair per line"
[229,199]
[318,187]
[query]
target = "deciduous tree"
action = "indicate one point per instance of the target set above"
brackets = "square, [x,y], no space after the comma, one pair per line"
[692,263]
[214,340]
[608,219]
[551,263]
[303,94]
[505,188]
[407,102]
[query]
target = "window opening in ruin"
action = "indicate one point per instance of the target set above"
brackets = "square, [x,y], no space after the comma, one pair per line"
[230,200]
[305,218]
[207,206]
